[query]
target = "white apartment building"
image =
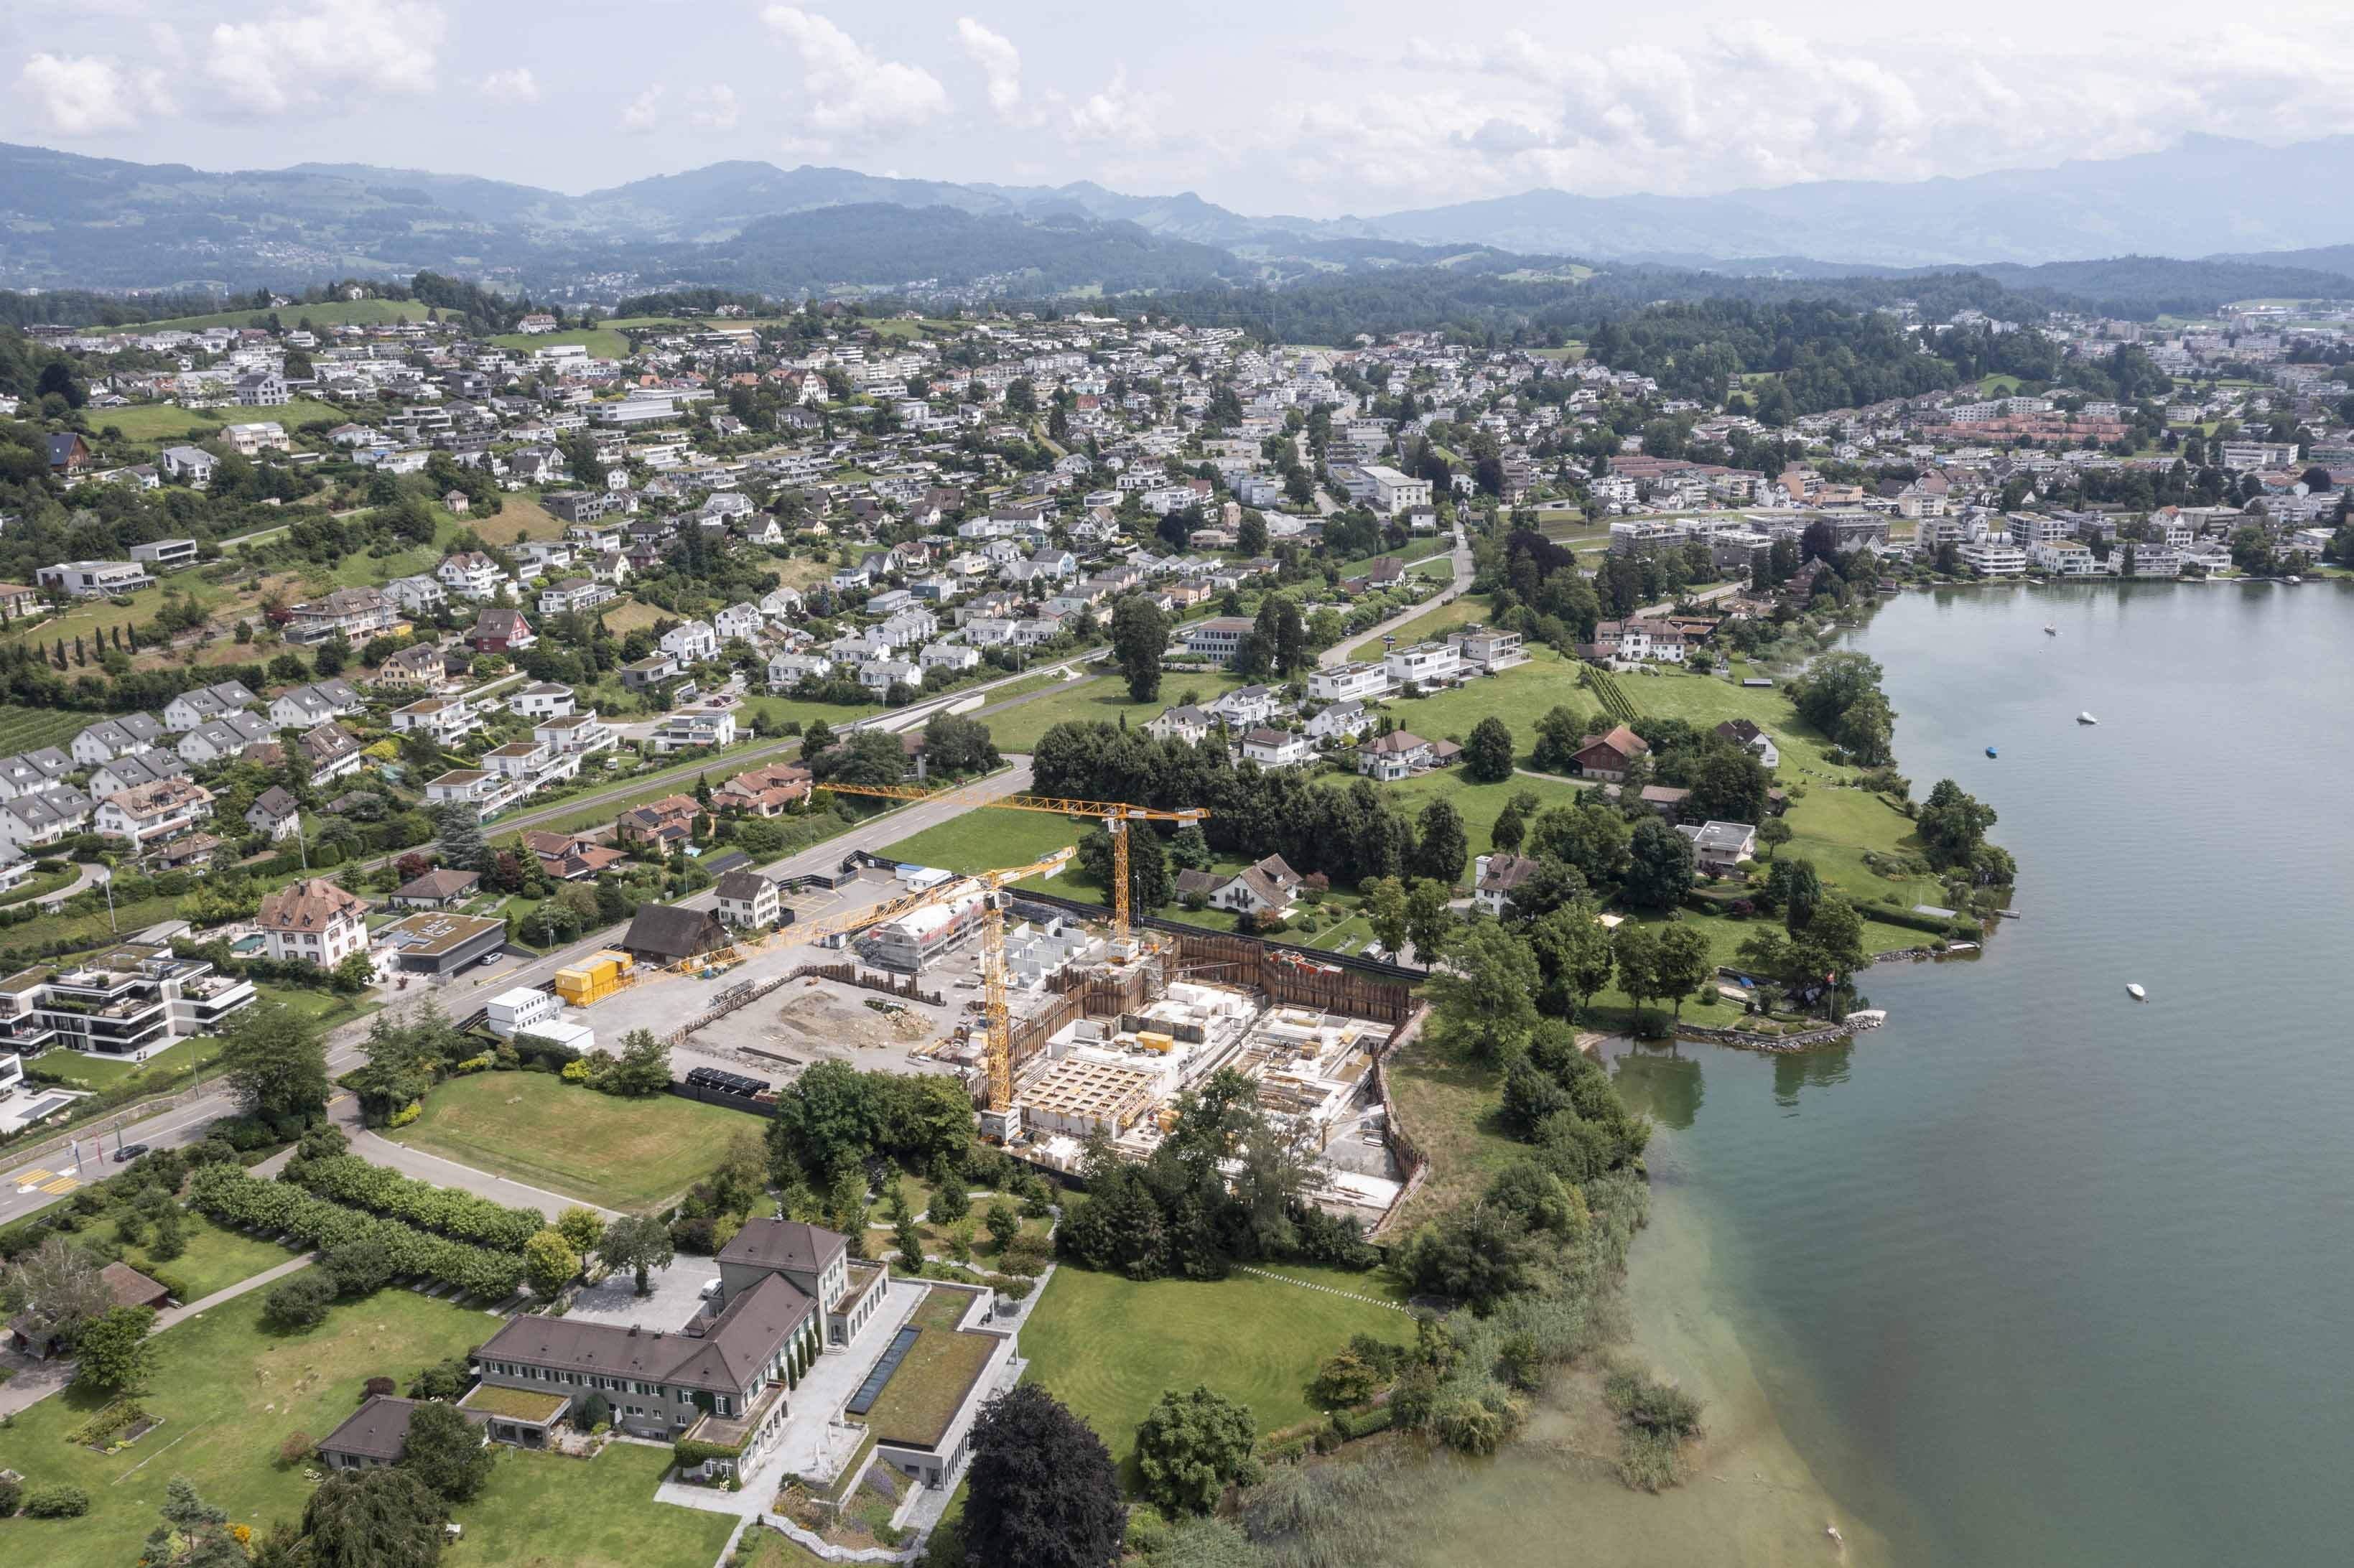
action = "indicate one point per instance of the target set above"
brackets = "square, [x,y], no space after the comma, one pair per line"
[1426,663]
[1989,558]
[1343,682]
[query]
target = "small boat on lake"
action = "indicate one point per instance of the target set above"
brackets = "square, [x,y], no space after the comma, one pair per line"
[2086,718]
[2050,629]
[1990,751]
[2135,991]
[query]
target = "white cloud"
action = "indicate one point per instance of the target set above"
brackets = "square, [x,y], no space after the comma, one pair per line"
[304,61]
[643,111]
[516,86]
[999,61]
[853,92]
[80,96]
[715,112]
[1117,112]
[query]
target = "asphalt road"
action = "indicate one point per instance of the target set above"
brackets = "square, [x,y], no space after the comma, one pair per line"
[1342,653]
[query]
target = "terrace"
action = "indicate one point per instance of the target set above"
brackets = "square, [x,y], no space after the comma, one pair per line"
[920,1397]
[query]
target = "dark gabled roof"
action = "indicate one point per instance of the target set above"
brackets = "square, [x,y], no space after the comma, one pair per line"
[440,884]
[378,1429]
[276,804]
[742,886]
[668,931]
[782,1244]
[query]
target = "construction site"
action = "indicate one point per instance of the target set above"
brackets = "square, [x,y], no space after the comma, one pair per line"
[1062,1020]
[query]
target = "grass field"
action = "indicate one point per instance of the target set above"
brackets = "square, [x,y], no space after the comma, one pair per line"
[216,1258]
[164,424]
[1099,698]
[1452,1109]
[923,1394]
[542,1510]
[229,1392]
[337,312]
[602,342]
[1108,1346]
[621,1154]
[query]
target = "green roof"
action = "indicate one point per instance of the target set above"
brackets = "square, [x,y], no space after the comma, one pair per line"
[917,1407]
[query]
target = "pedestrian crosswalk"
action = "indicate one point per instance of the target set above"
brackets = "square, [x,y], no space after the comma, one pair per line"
[51,1181]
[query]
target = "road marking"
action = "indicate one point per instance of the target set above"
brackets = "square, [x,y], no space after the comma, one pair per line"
[31,1178]
[62,1184]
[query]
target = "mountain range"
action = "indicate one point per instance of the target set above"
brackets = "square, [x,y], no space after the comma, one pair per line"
[2277,217]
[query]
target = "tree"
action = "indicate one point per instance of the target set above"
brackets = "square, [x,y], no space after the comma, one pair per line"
[1636,950]
[950,1200]
[194,1533]
[1573,949]
[301,1302]
[446,1452]
[1681,964]
[1953,824]
[114,1354]
[1659,867]
[1559,733]
[1487,754]
[1002,1222]
[276,1064]
[831,1116]
[643,1068]
[581,1228]
[1511,826]
[1140,636]
[1795,885]
[549,1262]
[1837,932]
[359,1268]
[1189,1447]
[1730,787]
[1429,922]
[639,1242]
[1441,847]
[1383,907]
[1250,535]
[379,1518]
[1486,991]
[1042,1491]
[460,828]
[910,1243]
[1773,833]
[1281,634]
[60,1290]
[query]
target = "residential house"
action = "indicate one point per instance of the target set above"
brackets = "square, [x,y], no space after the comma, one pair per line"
[275,814]
[1343,682]
[1606,757]
[749,901]
[574,594]
[1276,747]
[313,921]
[667,933]
[330,752]
[421,668]
[128,772]
[742,620]
[766,791]
[1489,652]
[224,738]
[201,704]
[695,731]
[1496,876]
[1425,664]
[153,813]
[542,699]
[1217,639]
[31,821]
[1749,737]
[1341,721]
[1185,723]
[572,857]
[129,736]
[660,823]
[1400,754]
[419,595]
[300,707]
[574,735]
[193,464]
[34,772]
[691,643]
[470,574]
[1718,847]
[1266,888]
[499,631]
[443,720]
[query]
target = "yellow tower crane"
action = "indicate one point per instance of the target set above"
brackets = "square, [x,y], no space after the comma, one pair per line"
[1115,816]
[990,886]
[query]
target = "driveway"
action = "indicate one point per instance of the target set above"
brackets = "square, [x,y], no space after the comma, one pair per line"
[1342,653]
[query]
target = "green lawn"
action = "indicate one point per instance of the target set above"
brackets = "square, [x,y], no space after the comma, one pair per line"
[985,840]
[216,1258]
[930,1382]
[1452,1108]
[543,1510]
[89,1070]
[619,1153]
[602,342]
[336,312]
[1108,1346]
[229,1392]
[1099,698]
[167,424]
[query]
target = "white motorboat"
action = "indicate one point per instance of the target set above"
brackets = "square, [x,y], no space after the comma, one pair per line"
[2050,629]
[2086,718]
[2135,991]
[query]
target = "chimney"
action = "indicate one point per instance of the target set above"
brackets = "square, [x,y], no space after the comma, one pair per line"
[633,1330]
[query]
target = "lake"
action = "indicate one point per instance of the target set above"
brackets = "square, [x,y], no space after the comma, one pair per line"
[2034,1274]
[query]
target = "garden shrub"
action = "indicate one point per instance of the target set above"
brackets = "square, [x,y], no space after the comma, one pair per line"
[56,1501]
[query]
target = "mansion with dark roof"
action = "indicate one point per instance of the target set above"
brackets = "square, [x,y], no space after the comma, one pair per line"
[789,1292]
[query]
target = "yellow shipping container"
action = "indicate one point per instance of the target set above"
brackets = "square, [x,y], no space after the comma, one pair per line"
[1164,1043]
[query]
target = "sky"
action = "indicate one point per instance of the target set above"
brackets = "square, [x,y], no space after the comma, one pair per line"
[1317,110]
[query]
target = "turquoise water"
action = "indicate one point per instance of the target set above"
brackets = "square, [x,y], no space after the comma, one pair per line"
[2036,1274]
